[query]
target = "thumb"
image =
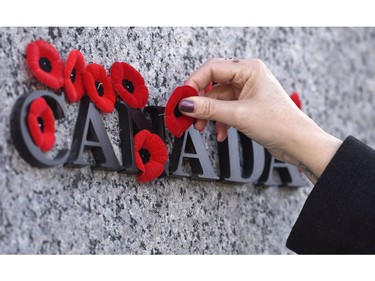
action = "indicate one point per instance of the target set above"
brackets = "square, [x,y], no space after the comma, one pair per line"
[209,109]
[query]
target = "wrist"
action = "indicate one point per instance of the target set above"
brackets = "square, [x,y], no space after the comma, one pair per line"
[312,149]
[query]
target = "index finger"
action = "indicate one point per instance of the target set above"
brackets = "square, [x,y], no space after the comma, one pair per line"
[215,70]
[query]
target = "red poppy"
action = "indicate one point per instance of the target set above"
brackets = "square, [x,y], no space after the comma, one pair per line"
[99,87]
[41,123]
[129,84]
[73,76]
[295,97]
[151,154]
[45,63]
[176,122]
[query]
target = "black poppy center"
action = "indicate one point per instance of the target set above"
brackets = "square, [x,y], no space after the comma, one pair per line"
[45,64]
[177,112]
[99,88]
[128,85]
[145,155]
[73,75]
[41,123]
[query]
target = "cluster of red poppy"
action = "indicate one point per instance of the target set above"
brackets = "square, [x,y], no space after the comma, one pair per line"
[76,79]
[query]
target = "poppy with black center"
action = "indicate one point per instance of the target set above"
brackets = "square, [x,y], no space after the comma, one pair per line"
[73,76]
[41,124]
[150,155]
[175,121]
[45,63]
[129,84]
[99,87]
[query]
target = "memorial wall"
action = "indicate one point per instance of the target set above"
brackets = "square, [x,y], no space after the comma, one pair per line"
[90,165]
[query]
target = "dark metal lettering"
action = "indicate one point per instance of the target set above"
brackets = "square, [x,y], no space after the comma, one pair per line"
[241,159]
[288,174]
[90,134]
[131,121]
[190,146]
[156,116]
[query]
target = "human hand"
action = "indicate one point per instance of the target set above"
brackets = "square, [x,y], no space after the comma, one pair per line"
[249,98]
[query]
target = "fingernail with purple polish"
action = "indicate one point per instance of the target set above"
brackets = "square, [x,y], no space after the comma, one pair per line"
[186,106]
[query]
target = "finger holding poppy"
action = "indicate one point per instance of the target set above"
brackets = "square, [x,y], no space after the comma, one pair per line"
[175,121]
[45,63]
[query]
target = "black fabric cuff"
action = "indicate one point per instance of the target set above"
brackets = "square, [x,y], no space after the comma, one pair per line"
[339,214]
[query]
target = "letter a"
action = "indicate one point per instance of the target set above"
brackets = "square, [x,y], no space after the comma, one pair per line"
[90,134]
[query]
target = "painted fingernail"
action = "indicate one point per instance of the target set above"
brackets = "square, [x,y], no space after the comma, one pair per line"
[186,106]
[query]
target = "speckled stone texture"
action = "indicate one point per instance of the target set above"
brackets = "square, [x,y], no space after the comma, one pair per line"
[81,211]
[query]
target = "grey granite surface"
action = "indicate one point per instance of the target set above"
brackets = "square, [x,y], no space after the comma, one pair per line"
[82,211]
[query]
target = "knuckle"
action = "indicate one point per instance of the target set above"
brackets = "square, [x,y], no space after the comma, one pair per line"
[207,108]
[211,61]
[257,63]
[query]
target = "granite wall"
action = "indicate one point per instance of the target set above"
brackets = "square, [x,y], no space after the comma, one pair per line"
[83,211]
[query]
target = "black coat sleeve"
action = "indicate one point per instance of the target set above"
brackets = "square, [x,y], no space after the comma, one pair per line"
[338,216]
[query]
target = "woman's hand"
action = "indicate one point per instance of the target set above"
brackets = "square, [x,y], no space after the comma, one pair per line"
[249,98]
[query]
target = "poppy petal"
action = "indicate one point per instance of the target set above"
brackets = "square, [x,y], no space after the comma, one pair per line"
[153,170]
[41,124]
[45,63]
[152,167]
[208,88]
[139,140]
[296,99]
[99,87]
[73,76]
[129,84]
[176,122]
